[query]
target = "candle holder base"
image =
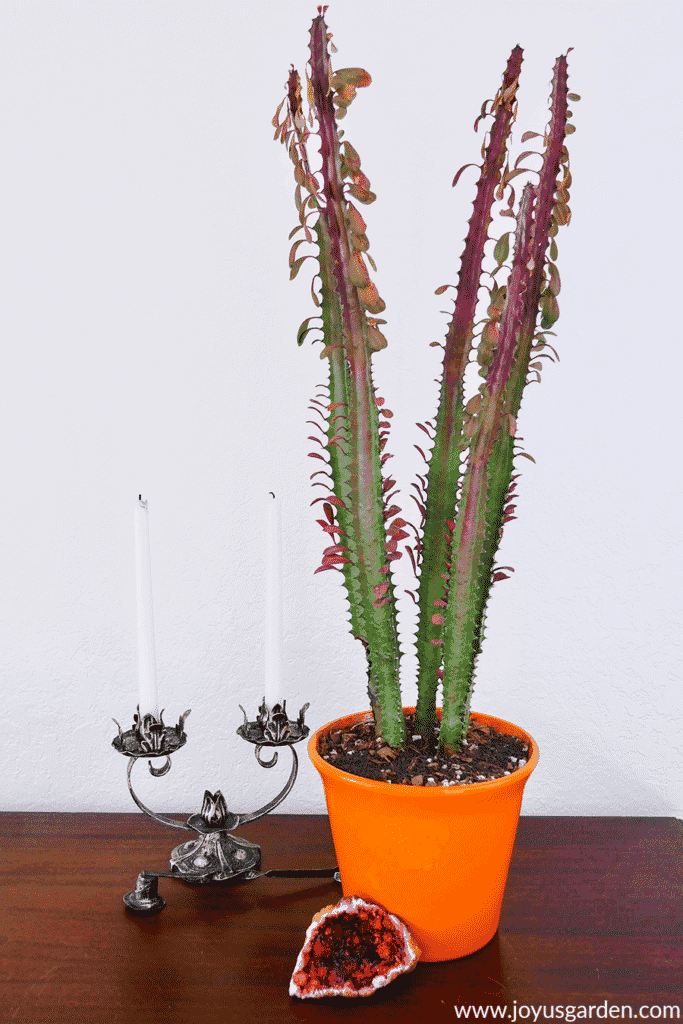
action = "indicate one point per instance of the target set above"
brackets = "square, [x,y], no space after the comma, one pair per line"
[216,857]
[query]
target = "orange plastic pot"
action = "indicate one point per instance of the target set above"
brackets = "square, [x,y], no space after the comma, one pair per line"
[436,856]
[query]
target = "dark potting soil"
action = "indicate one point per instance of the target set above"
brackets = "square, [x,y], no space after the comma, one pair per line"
[486,754]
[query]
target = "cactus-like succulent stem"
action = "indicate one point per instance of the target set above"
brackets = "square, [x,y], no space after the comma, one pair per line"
[480,514]
[360,477]
[487,480]
[444,464]
[544,223]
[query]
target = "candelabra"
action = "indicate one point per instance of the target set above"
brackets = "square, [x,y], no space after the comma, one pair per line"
[214,855]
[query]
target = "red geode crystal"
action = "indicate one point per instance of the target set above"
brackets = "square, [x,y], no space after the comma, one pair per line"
[352,949]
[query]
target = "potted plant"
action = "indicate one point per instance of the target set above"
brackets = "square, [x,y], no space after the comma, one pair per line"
[434,851]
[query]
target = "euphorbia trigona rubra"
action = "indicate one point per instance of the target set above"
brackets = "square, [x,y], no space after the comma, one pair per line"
[464,497]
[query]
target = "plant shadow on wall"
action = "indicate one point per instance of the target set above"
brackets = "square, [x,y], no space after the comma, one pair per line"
[423,803]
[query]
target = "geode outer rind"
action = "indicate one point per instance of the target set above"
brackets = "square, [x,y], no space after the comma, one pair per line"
[352,949]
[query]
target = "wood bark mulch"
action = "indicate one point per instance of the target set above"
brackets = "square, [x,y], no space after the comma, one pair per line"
[486,754]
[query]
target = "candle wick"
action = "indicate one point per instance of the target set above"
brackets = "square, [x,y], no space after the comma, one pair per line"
[139,497]
[270,492]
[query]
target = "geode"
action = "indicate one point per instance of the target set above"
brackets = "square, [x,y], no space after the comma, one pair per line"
[352,949]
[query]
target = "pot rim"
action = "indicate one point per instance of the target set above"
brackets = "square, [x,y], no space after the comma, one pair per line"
[426,792]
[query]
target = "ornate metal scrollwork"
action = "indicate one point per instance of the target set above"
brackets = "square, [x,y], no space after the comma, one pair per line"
[215,855]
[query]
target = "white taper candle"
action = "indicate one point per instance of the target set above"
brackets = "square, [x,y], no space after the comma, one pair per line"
[147,666]
[272,602]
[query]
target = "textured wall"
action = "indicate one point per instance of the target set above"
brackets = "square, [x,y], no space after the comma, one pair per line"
[149,345]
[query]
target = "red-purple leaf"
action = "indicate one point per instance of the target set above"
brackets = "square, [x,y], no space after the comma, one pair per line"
[331,529]
[276,116]
[304,329]
[334,560]
[333,499]
[296,266]
[463,168]
[335,549]
[412,560]
[527,152]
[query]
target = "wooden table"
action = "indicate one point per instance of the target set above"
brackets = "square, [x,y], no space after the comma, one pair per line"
[593,913]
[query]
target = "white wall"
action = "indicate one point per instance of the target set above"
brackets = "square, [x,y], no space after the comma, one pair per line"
[149,345]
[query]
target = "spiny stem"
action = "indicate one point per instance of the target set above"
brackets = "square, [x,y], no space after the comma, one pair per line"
[444,466]
[487,480]
[366,518]
[480,515]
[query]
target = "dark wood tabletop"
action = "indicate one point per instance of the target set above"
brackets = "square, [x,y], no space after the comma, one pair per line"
[593,916]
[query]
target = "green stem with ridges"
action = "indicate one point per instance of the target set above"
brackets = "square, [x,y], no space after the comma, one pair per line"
[366,520]
[479,518]
[543,227]
[476,539]
[444,463]
[332,328]
[337,446]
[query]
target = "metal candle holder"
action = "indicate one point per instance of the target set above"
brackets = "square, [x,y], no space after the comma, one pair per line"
[215,855]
